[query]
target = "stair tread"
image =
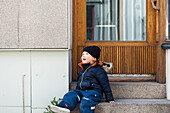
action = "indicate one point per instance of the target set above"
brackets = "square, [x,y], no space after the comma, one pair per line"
[128,82]
[139,101]
[136,90]
[136,83]
[132,106]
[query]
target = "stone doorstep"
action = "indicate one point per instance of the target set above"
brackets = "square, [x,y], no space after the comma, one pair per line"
[135,90]
[132,106]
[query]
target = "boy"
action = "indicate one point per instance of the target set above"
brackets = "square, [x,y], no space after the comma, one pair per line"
[92,82]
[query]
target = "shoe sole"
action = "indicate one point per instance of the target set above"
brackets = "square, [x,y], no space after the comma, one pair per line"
[57,109]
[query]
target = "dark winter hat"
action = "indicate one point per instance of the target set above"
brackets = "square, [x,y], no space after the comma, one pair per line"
[93,51]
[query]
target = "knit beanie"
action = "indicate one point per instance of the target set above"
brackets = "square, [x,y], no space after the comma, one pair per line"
[93,51]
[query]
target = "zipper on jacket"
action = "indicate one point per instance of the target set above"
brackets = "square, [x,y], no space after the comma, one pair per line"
[83,76]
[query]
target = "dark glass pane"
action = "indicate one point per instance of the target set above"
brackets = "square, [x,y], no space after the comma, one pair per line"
[89,13]
[89,34]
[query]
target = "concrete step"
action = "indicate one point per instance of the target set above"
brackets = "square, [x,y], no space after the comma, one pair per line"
[135,90]
[132,106]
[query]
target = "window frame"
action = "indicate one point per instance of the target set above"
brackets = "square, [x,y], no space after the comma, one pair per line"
[79,22]
[120,34]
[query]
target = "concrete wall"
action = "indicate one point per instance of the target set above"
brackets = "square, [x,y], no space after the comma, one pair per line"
[35,23]
[9,24]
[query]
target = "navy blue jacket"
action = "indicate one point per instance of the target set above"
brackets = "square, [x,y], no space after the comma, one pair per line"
[94,77]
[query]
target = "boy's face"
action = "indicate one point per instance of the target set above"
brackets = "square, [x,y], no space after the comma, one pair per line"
[87,58]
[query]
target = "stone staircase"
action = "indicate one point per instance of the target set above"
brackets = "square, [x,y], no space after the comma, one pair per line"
[134,97]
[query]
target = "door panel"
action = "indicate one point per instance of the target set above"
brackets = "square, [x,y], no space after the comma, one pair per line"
[15,79]
[15,110]
[38,110]
[128,59]
[49,72]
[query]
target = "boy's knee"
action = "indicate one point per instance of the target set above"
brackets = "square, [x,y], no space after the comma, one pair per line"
[72,93]
[86,106]
[71,98]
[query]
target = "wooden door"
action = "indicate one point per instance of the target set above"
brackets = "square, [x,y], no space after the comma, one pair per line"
[134,58]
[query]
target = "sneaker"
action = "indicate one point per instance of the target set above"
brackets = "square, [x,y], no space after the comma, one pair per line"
[58,109]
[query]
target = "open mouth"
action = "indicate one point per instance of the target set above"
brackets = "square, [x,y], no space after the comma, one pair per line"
[84,59]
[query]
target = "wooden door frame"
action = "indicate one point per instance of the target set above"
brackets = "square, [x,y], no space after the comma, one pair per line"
[153,18]
[161,38]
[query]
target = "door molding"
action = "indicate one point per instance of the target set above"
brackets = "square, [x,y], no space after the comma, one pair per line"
[161,37]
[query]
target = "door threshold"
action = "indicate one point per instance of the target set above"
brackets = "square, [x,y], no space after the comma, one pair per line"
[132,78]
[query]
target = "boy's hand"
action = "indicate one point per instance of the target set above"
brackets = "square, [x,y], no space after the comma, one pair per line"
[111,101]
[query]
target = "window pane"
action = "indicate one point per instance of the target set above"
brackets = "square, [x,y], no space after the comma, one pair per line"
[116,20]
[90,16]
[89,34]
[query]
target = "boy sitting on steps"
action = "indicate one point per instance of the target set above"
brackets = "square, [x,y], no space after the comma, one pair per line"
[92,82]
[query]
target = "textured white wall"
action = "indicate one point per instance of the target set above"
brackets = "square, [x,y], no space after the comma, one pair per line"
[34,23]
[9,24]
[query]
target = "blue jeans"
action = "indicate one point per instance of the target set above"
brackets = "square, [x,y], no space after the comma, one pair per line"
[88,99]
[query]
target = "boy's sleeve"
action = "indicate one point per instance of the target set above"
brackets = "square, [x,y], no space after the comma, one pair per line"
[79,74]
[104,82]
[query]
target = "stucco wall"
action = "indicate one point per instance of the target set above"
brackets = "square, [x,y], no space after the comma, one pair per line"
[8,24]
[34,23]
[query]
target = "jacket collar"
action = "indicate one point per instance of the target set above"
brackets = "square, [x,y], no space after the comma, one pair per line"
[92,65]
